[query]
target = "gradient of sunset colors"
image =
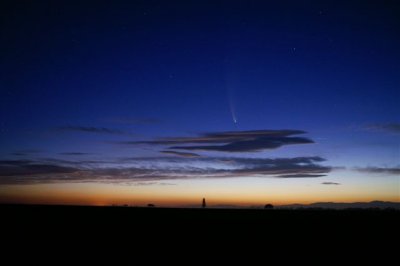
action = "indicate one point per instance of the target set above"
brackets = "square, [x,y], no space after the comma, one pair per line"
[168,102]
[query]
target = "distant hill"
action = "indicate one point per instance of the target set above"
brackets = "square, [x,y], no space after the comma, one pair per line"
[352,205]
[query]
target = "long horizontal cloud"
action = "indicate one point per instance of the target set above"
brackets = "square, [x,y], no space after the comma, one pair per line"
[182,154]
[233,141]
[301,176]
[157,168]
[134,121]
[330,183]
[380,170]
[388,127]
[26,167]
[26,152]
[74,153]
[86,129]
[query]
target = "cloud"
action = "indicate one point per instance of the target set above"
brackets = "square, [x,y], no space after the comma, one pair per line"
[166,184]
[19,154]
[233,141]
[74,153]
[26,152]
[13,162]
[134,121]
[30,151]
[182,154]
[102,130]
[380,170]
[153,183]
[145,183]
[300,176]
[330,183]
[146,169]
[258,144]
[388,127]
[297,167]
[27,168]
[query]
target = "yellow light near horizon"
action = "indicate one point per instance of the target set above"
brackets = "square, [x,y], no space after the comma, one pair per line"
[232,191]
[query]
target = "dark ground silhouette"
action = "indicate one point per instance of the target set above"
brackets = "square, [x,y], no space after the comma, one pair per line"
[130,230]
[27,217]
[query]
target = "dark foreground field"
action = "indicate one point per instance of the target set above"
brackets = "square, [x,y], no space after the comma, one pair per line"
[47,228]
[30,222]
[163,220]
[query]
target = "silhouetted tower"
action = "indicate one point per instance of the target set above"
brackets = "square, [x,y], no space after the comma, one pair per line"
[204,203]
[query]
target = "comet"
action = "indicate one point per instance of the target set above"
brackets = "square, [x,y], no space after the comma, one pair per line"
[232,108]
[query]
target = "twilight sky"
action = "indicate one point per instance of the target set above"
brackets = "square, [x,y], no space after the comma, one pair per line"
[241,102]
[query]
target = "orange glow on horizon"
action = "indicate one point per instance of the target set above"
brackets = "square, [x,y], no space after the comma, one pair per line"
[190,193]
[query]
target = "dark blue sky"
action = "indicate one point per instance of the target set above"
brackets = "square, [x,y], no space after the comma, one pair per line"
[94,76]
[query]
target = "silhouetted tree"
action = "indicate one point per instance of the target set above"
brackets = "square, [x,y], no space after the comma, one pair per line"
[203,205]
[150,205]
[268,206]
